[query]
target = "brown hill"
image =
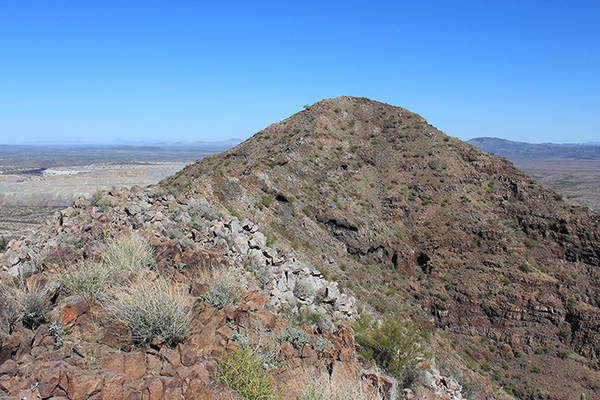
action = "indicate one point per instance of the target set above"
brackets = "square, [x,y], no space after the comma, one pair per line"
[420,224]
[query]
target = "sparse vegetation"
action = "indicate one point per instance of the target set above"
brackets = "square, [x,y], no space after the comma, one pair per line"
[33,308]
[225,288]
[325,387]
[295,336]
[129,252]
[397,347]
[86,279]
[156,308]
[242,370]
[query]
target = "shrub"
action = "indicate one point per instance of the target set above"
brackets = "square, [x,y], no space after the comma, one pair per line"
[85,279]
[128,252]
[322,344]
[242,370]
[396,346]
[225,289]
[262,272]
[33,308]
[305,290]
[98,199]
[153,309]
[295,336]
[337,387]
[3,243]
[198,209]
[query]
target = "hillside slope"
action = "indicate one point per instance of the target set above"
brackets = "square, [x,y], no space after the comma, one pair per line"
[422,225]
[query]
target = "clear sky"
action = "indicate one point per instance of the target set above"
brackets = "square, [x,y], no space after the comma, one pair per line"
[214,70]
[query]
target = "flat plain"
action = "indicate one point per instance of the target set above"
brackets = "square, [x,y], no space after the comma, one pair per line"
[35,181]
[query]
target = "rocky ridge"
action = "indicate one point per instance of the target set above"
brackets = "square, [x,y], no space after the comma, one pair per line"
[78,352]
[418,224]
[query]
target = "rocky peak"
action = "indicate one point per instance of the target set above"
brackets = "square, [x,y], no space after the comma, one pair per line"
[419,224]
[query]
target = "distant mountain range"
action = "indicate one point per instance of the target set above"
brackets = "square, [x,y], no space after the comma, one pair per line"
[512,150]
[225,144]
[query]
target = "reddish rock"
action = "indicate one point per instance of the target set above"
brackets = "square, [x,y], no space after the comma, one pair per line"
[153,363]
[8,368]
[172,389]
[256,300]
[52,378]
[153,390]
[114,362]
[82,386]
[114,387]
[268,319]
[309,355]
[386,385]
[135,366]
[171,355]
[13,386]
[342,371]
[71,309]
[188,357]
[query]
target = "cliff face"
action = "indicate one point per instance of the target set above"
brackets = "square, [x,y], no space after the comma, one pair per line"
[419,224]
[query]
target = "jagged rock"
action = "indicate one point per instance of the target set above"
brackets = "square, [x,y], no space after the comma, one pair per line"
[71,309]
[9,368]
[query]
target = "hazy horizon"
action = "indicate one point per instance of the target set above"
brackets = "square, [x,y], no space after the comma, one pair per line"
[159,71]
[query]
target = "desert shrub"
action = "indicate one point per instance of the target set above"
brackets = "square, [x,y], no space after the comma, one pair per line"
[295,336]
[98,199]
[225,288]
[128,252]
[201,210]
[305,290]
[33,308]
[262,272]
[242,370]
[88,280]
[321,344]
[397,347]
[153,309]
[197,223]
[337,387]
[3,243]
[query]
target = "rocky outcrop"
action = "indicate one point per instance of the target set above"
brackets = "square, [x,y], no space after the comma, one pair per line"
[74,352]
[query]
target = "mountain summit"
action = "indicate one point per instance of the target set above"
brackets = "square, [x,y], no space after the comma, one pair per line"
[424,226]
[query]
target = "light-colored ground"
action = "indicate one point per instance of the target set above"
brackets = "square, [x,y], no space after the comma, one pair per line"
[60,186]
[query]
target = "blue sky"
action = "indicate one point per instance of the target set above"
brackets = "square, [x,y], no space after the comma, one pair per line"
[214,70]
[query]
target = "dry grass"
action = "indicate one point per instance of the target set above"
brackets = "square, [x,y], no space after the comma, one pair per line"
[225,286]
[152,309]
[128,252]
[30,307]
[324,387]
[86,279]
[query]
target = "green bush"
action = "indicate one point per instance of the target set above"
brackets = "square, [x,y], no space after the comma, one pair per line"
[128,252]
[395,346]
[242,370]
[3,243]
[153,309]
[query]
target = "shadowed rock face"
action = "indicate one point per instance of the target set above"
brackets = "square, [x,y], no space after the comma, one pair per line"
[423,225]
